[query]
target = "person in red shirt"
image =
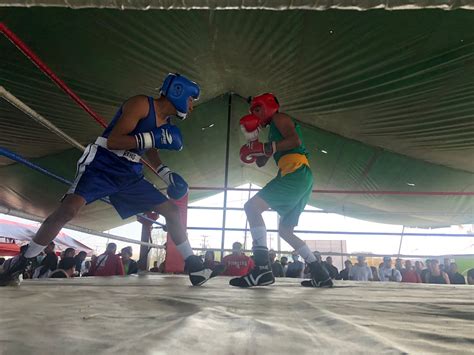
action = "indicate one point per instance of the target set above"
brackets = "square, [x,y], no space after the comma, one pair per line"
[237,264]
[108,264]
[409,274]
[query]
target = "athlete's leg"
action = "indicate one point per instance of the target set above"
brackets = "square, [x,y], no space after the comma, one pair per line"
[261,274]
[198,274]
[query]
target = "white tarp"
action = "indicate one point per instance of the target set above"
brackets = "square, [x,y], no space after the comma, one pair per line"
[165,315]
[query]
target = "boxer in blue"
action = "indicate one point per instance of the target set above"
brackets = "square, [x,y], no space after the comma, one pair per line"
[112,167]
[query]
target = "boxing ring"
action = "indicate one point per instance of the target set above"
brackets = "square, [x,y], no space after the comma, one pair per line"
[163,315]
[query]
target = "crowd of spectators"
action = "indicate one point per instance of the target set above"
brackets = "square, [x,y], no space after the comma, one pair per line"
[431,271]
[71,264]
[51,264]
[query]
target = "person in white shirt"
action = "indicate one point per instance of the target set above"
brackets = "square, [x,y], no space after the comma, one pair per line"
[360,271]
[387,273]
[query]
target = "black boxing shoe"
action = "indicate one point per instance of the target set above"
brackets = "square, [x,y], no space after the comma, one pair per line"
[259,276]
[319,276]
[12,271]
[198,274]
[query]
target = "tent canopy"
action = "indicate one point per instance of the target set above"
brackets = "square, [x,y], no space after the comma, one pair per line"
[387,95]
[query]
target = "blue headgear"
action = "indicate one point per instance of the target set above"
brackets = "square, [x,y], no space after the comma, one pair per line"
[178,89]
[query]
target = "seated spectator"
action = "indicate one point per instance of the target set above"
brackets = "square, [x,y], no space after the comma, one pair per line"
[361,271]
[277,268]
[130,266]
[454,276]
[87,267]
[387,273]
[209,260]
[470,276]
[47,266]
[437,276]
[284,264]
[66,269]
[79,260]
[344,274]
[68,253]
[155,267]
[296,268]
[237,263]
[108,263]
[49,251]
[419,268]
[375,273]
[332,270]
[398,265]
[425,273]
[446,265]
[409,274]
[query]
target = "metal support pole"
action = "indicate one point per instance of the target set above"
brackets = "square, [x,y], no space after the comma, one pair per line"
[401,241]
[226,173]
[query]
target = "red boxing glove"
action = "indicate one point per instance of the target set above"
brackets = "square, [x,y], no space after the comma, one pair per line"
[252,150]
[250,126]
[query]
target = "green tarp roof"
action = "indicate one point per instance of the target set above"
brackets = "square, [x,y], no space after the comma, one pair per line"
[387,94]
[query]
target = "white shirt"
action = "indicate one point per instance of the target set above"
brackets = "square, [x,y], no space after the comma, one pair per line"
[360,273]
[386,273]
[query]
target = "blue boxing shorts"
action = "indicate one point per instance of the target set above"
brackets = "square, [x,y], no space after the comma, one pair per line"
[101,173]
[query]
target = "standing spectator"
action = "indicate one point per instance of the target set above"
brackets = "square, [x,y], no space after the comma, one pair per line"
[130,266]
[454,276]
[470,276]
[437,276]
[284,264]
[79,260]
[68,253]
[375,273]
[209,260]
[47,266]
[296,268]
[237,264]
[277,268]
[425,273]
[108,263]
[360,271]
[387,273]
[344,274]
[333,271]
[66,269]
[409,274]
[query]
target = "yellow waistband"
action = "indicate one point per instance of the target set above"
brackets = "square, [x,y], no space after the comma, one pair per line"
[291,162]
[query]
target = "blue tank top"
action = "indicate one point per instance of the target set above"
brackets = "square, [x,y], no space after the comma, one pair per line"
[146,124]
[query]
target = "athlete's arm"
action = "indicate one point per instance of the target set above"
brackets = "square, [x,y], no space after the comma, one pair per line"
[287,129]
[153,157]
[133,111]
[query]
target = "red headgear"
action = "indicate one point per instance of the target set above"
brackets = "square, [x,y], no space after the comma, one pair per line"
[269,104]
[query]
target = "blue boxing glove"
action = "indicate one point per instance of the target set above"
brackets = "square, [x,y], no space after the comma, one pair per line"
[177,187]
[164,137]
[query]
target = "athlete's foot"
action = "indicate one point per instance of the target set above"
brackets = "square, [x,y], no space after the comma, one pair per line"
[198,274]
[259,276]
[16,267]
[319,276]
